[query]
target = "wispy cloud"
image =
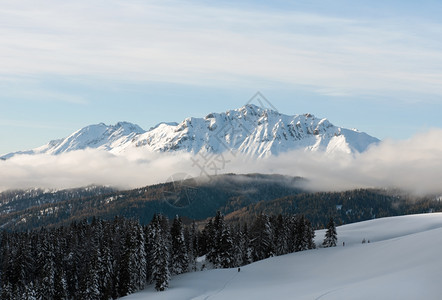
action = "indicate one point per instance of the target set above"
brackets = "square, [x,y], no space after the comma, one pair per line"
[174,41]
[35,93]
[414,165]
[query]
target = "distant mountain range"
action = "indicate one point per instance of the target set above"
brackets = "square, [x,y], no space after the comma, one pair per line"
[250,130]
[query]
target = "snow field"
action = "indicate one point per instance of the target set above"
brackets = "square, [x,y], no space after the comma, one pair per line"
[402,261]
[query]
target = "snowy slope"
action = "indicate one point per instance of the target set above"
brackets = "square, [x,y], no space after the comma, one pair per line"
[250,130]
[98,136]
[402,261]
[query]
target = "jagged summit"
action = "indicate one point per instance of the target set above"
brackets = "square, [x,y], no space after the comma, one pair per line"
[251,130]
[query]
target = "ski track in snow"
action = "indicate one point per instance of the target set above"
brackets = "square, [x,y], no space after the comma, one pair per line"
[327,293]
[222,289]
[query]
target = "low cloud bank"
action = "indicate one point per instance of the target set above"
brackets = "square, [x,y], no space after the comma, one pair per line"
[86,167]
[414,165]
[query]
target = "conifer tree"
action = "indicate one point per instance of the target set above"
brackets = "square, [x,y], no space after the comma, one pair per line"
[309,235]
[225,245]
[139,259]
[215,231]
[90,288]
[6,265]
[330,238]
[206,241]
[238,245]
[159,257]
[261,238]
[149,244]
[60,285]
[127,265]
[30,293]
[7,293]
[281,236]
[20,265]
[300,243]
[46,268]
[72,259]
[192,245]
[246,250]
[179,257]
[107,266]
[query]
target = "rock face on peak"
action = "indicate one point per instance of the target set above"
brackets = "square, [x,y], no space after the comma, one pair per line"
[250,130]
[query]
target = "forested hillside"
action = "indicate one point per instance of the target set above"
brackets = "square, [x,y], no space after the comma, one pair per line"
[111,259]
[239,197]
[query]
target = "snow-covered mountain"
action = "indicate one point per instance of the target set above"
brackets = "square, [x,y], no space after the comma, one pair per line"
[98,136]
[250,130]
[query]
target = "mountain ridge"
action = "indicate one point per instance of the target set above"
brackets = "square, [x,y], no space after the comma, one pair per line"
[240,197]
[250,130]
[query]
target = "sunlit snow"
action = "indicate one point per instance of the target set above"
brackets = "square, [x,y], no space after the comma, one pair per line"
[401,261]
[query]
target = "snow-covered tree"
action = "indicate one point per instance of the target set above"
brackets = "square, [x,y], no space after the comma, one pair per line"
[246,250]
[139,259]
[225,245]
[179,257]
[159,256]
[331,236]
[46,268]
[60,285]
[110,259]
[206,241]
[106,271]
[30,293]
[261,238]
[7,291]
[192,243]
[214,232]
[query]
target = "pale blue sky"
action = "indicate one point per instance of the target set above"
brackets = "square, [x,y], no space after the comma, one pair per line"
[371,65]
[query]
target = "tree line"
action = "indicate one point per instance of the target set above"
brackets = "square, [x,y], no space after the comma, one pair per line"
[111,259]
